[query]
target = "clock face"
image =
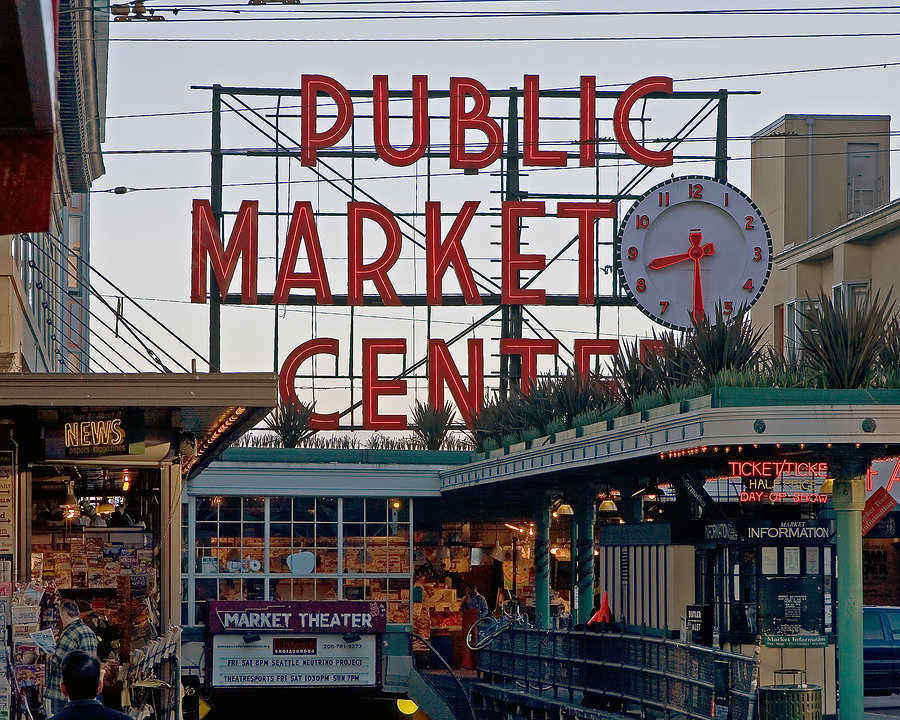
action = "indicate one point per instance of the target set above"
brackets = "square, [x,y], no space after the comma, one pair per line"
[689,244]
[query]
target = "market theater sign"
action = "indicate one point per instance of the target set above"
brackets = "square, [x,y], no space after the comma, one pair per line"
[476,142]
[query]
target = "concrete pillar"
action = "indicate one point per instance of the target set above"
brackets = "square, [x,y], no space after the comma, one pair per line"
[542,563]
[583,519]
[849,499]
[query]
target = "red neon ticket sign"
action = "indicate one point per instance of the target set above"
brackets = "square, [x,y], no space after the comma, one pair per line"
[780,481]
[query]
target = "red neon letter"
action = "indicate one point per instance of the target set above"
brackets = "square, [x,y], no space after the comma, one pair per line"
[310,139]
[870,474]
[586,349]
[439,255]
[648,347]
[382,116]
[243,242]
[476,119]
[531,154]
[634,150]
[357,270]
[317,346]
[588,135]
[513,262]
[895,475]
[303,227]
[586,213]
[529,350]
[373,388]
[441,369]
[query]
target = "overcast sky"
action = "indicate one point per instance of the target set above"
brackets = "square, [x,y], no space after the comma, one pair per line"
[142,239]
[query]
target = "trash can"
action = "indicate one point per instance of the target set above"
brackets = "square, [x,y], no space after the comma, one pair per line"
[788,699]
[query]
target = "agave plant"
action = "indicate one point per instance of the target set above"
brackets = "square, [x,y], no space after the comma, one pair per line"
[889,357]
[728,344]
[842,343]
[673,365]
[431,424]
[290,422]
[487,422]
[571,396]
[632,375]
[533,408]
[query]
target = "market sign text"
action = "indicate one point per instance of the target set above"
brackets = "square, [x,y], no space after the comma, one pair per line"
[798,482]
[470,104]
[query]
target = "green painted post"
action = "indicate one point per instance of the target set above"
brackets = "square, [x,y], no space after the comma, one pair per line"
[573,570]
[585,514]
[542,564]
[849,499]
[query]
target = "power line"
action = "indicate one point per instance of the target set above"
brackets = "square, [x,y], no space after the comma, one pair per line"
[550,39]
[764,73]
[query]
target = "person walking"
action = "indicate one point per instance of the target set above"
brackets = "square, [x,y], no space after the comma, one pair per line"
[74,636]
[81,684]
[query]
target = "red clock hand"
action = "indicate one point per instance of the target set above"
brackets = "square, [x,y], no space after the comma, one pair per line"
[664,262]
[696,253]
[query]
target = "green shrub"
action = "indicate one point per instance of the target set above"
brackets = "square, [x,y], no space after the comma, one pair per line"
[686,392]
[531,433]
[589,417]
[554,426]
[510,439]
[647,401]
[489,444]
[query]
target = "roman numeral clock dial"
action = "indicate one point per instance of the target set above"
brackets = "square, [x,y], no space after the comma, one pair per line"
[689,244]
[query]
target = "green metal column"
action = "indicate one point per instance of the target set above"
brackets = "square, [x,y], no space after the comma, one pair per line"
[573,569]
[849,499]
[542,563]
[585,515]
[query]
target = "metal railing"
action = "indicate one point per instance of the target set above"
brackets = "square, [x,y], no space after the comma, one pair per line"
[660,677]
[446,684]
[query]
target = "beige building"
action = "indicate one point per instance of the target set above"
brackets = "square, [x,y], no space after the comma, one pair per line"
[822,182]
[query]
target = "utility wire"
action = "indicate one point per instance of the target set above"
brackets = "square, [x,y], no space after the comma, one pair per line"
[122,293]
[504,40]
[358,101]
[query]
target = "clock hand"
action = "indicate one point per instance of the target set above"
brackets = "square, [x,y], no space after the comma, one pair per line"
[698,292]
[664,262]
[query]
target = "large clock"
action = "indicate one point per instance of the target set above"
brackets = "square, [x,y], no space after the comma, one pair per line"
[689,244]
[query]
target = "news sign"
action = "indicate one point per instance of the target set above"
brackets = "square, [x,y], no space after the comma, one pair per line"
[294,661]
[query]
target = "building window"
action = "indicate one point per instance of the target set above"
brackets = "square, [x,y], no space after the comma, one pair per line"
[298,548]
[851,294]
[799,313]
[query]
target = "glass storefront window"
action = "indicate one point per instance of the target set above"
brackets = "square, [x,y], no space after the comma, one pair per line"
[311,548]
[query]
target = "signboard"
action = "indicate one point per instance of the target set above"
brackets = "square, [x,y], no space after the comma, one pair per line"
[879,504]
[7,503]
[294,661]
[791,610]
[363,618]
[780,481]
[94,434]
[881,572]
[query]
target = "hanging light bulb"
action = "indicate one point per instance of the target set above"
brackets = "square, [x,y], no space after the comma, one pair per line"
[126,481]
[71,501]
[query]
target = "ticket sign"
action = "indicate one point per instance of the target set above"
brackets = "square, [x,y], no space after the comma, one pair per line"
[294,661]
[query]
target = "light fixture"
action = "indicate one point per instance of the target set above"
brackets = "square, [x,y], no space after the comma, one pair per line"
[126,481]
[71,501]
[596,552]
[650,497]
[396,504]
[555,514]
[407,706]
[607,506]
[497,552]
[105,507]
[565,509]
[827,486]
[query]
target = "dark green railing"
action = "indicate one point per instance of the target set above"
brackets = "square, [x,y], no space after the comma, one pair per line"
[621,672]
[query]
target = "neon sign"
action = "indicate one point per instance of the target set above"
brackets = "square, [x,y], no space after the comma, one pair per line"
[780,481]
[476,142]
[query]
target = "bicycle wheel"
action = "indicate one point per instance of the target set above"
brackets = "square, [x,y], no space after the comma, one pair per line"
[483,632]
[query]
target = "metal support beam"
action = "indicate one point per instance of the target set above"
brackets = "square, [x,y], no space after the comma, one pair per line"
[511,323]
[722,137]
[542,563]
[849,499]
[584,518]
[215,202]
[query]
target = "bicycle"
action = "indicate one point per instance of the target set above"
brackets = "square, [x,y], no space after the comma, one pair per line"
[483,632]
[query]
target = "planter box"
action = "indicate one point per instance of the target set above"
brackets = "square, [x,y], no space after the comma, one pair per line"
[594,428]
[499,452]
[565,435]
[626,420]
[664,410]
[697,403]
[478,456]
[516,447]
[749,397]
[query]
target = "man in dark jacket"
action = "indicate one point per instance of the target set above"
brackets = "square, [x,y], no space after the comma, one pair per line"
[81,684]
